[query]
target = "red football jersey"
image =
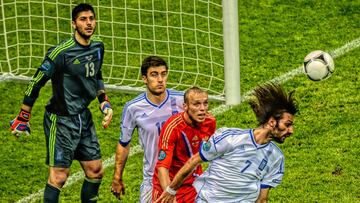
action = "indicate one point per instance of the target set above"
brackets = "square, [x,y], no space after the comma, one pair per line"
[178,142]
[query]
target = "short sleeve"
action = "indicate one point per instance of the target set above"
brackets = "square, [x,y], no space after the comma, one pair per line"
[127,127]
[274,177]
[217,145]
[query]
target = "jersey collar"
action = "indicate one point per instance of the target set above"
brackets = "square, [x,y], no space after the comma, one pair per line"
[258,146]
[162,103]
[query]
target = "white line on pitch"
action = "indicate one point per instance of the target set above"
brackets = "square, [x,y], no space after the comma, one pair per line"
[78,176]
[285,77]
[218,110]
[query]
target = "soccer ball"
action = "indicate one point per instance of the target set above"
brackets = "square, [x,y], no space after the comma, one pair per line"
[318,65]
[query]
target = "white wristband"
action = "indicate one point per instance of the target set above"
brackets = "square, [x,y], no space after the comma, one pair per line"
[170,191]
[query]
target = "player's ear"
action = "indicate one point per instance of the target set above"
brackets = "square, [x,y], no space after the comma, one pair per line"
[73,25]
[271,122]
[185,106]
[144,78]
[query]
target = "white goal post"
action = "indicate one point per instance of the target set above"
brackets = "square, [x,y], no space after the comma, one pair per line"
[199,39]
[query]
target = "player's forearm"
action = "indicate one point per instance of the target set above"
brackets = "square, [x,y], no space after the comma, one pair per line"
[164,178]
[33,89]
[120,160]
[185,171]
[100,86]
[263,196]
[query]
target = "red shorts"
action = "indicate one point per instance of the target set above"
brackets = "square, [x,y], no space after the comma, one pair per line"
[185,194]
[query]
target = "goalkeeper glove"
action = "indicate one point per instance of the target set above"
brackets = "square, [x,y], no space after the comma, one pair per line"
[106,109]
[21,124]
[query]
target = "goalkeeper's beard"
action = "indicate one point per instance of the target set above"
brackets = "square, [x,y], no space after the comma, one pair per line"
[83,35]
[155,93]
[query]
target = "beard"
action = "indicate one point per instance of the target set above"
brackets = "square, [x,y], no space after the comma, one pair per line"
[279,140]
[83,34]
[276,135]
[156,93]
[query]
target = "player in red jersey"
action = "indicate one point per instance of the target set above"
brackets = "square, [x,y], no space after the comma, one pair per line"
[180,138]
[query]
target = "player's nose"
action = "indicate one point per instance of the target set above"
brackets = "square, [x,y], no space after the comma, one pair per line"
[291,130]
[202,107]
[160,79]
[88,21]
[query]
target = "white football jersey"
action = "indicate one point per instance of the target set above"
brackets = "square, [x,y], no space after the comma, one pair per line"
[148,118]
[238,168]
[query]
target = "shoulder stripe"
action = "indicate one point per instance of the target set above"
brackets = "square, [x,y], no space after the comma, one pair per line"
[60,48]
[229,132]
[168,130]
[176,93]
[137,99]
[214,143]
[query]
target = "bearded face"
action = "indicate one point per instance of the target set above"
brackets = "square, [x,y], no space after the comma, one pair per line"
[284,128]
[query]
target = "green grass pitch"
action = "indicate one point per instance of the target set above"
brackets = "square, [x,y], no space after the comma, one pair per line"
[322,162]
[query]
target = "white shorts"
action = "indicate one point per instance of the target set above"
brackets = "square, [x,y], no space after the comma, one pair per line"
[145,192]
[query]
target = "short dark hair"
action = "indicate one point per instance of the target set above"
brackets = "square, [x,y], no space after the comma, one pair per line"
[195,90]
[152,61]
[80,8]
[270,100]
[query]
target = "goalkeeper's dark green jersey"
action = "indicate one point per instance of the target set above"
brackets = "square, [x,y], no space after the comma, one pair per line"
[75,73]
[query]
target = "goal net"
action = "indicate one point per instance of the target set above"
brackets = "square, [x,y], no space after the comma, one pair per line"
[186,33]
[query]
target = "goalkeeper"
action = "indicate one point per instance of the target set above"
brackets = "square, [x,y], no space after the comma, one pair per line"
[74,68]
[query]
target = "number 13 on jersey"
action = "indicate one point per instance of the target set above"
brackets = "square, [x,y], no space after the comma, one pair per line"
[90,69]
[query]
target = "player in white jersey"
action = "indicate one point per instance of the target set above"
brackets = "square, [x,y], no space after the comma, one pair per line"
[257,166]
[243,163]
[147,112]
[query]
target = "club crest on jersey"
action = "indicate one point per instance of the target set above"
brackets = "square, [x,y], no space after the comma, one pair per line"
[206,146]
[195,141]
[89,57]
[162,155]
